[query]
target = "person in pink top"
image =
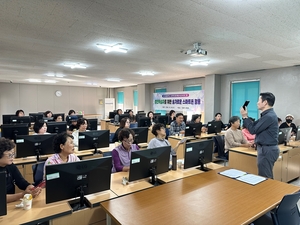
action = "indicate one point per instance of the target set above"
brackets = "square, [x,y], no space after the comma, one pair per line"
[249,137]
[63,147]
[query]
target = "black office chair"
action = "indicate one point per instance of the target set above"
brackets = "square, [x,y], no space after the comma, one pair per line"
[219,147]
[287,211]
[38,172]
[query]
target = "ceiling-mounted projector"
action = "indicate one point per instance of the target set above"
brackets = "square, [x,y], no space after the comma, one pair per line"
[197,51]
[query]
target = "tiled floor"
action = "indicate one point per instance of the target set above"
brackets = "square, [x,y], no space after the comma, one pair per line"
[296,182]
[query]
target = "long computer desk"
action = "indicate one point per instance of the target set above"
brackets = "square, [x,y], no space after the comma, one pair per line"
[286,168]
[204,198]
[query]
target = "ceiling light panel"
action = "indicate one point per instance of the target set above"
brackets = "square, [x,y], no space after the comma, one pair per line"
[113,48]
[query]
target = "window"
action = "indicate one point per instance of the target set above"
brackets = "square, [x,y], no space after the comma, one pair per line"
[135,100]
[160,90]
[120,100]
[242,91]
[192,88]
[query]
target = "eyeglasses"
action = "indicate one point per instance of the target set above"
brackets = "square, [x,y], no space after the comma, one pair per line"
[10,155]
[128,141]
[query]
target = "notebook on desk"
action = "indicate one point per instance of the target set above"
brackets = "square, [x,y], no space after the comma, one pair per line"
[243,176]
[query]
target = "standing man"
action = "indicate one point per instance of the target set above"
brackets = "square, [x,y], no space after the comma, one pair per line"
[266,130]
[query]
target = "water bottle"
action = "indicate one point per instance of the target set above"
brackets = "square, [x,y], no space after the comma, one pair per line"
[174,162]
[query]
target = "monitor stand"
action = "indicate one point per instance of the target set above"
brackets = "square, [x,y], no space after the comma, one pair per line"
[96,151]
[80,203]
[37,153]
[153,178]
[202,168]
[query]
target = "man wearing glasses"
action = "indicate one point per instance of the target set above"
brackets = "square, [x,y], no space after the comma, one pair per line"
[13,175]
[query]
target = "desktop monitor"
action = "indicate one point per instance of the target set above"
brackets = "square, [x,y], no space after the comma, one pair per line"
[21,119]
[214,127]
[10,131]
[298,134]
[36,117]
[123,116]
[198,153]
[68,118]
[92,124]
[193,129]
[144,122]
[141,111]
[48,119]
[56,127]
[77,179]
[156,115]
[139,116]
[184,118]
[140,134]
[34,145]
[111,115]
[93,140]
[149,163]
[287,134]
[6,118]
[280,137]
[163,119]
[3,206]
[59,114]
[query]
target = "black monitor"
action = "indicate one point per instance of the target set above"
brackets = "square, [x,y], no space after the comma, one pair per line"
[198,153]
[68,118]
[111,115]
[92,124]
[55,115]
[48,119]
[21,119]
[193,129]
[141,111]
[93,140]
[287,134]
[140,134]
[144,122]
[77,179]
[56,127]
[214,127]
[36,117]
[6,118]
[281,137]
[184,118]
[298,134]
[3,206]
[156,115]
[149,163]
[139,116]
[123,116]
[34,145]
[10,131]
[163,119]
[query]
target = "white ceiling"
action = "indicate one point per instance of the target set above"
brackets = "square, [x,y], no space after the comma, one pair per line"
[38,36]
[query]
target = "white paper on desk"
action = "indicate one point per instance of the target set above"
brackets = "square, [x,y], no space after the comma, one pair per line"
[233,173]
[251,179]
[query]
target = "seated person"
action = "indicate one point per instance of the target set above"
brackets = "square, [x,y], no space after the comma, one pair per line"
[58,118]
[218,117]
[171,117]
[131,117]
[20,112]
[116,119]
[73,123]
[81,126]
[48,114]
[123,123]
[203,129]
[63,147]
[234,136]
[13,175]
[40,127]
[249,137]
[150,114]
[289,123]
[160,140]
[177,126]
[196,118]
[121,155]
[71,112]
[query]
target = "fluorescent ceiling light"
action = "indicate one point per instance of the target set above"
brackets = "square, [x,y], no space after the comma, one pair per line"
[199,63]
[35,80]
[94,84]
[54,75]
[75,66]
[113,79]
[50,81]
[113,48]
[146,73]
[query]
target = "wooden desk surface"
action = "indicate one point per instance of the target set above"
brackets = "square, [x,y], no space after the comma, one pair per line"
[206,198]
[119,189]
[39,211]
[96,198]
[182,173]
[253,152]
[294,144]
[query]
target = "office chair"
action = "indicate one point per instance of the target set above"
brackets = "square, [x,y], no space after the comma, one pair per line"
[287,211]
[219,148]
[38,172]
[133,125]
[111,136]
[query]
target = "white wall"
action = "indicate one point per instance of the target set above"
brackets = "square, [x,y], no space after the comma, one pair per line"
[39,98]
